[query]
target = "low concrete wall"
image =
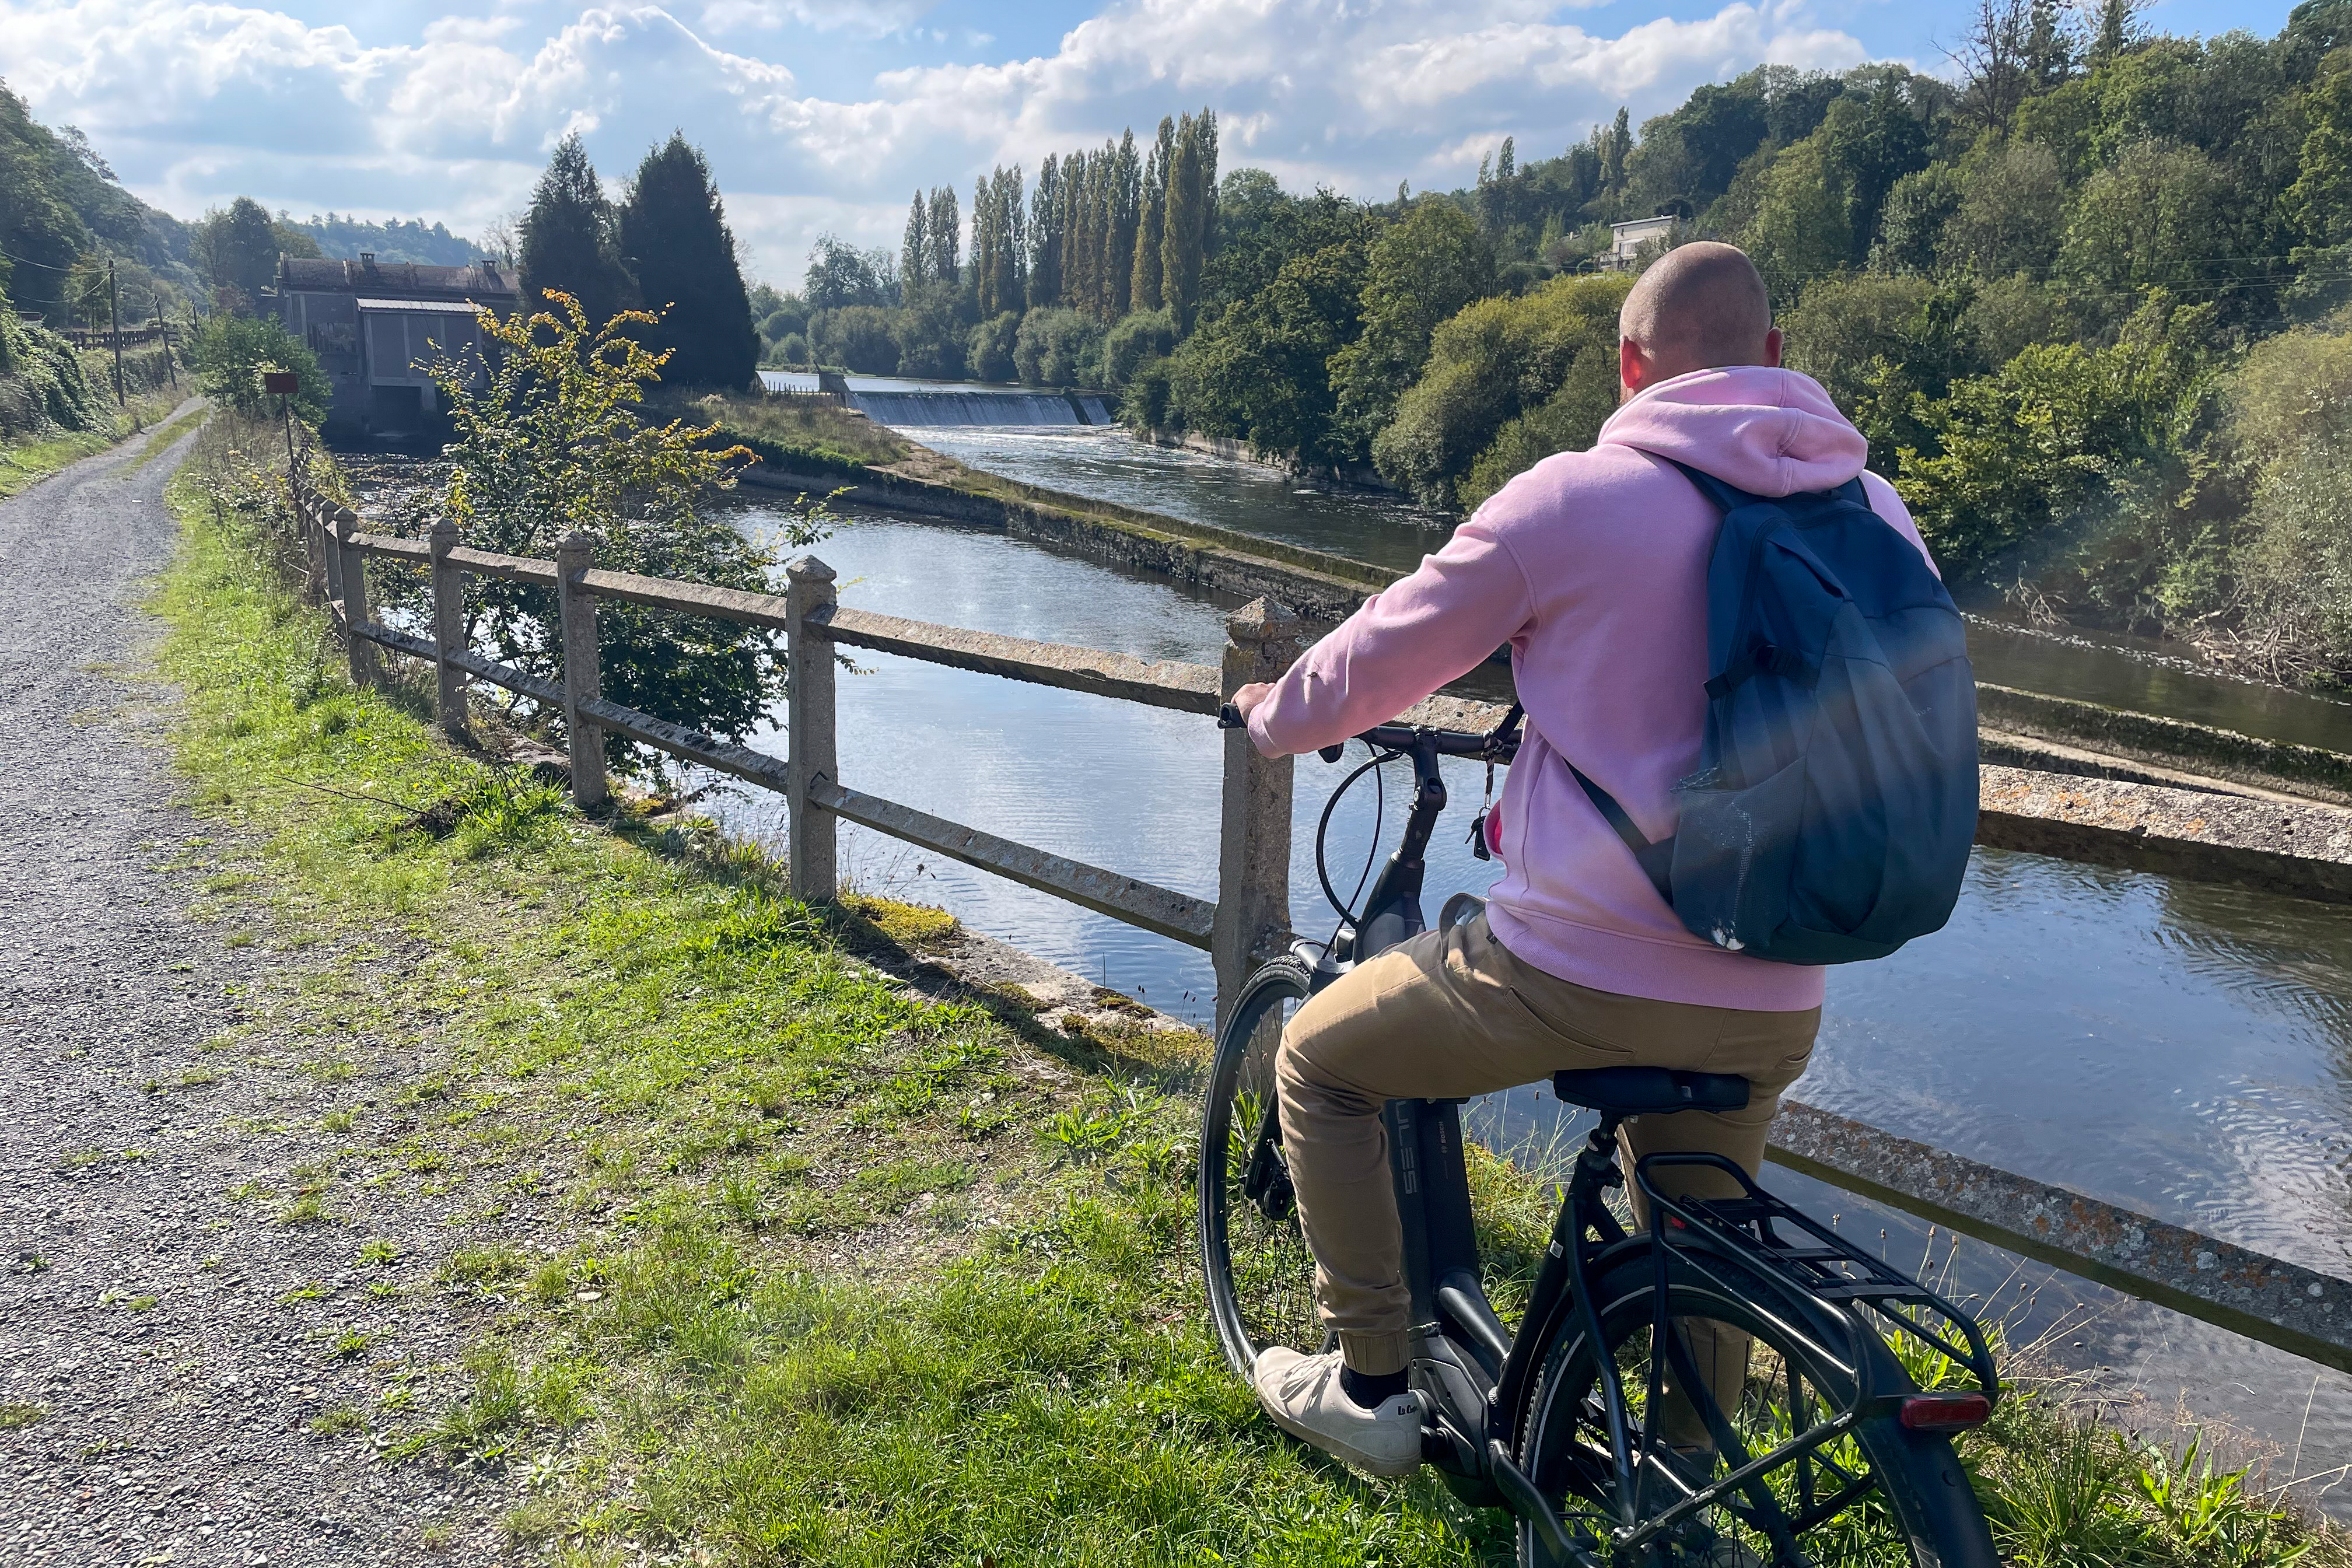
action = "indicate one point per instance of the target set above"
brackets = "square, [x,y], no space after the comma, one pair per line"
[2173,743]
[2302,850]
[1320,586]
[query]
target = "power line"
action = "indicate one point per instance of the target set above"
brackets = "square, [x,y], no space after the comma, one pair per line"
[29,261]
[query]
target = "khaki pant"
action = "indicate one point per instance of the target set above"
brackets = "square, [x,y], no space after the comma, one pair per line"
[1450,1014]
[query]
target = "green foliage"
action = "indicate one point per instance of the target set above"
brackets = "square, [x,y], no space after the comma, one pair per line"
[59,201]
[1262,371]
[42,386]
[840,274]
[1138,338]
[569,241]
[1056,346]
[230,353]
[1493,364]
[989,350]
[1800,230]
[859,336]
[552,443]
[394,239]
[673,237]
[1421,269]
[236,251]
[931,331]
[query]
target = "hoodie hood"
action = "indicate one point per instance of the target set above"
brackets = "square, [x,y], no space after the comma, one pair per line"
[1768,432]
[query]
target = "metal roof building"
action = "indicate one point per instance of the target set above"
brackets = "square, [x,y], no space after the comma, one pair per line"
[376,326]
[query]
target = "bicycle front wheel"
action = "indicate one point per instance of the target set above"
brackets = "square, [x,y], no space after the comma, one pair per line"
[1875,1495]
[1260,1276]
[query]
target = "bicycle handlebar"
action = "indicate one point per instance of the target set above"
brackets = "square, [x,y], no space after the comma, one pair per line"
[1496,745]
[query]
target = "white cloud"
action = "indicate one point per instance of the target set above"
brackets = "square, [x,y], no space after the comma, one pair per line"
[196,103]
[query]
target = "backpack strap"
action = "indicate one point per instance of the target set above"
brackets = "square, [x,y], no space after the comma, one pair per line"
[1654,859]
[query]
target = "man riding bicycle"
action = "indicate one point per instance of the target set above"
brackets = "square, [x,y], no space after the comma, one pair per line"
[1591,566]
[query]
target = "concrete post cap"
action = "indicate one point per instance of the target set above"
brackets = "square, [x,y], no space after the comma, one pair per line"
[444,537]
[1263,620]
[579,542]
[809,569]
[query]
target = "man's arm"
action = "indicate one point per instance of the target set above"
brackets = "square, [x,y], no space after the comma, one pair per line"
[1408,640]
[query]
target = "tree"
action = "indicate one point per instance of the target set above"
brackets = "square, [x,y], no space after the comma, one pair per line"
[1191,180]
[1800,231]
[840,274]
[999,244]
[568,243]
[553,441]
[236,252]
[2114,27]
[1047,212]
[915,250]
[2159,217]
[673,236]
[1995,60]
[2012,215]
[1417,273]
[944,264]
[229,355]
[2321,196]
[1151,222]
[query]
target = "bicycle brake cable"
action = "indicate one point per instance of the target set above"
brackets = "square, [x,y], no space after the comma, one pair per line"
[1323,826]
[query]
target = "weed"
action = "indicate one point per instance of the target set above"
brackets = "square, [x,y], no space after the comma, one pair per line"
[307,1209]
[315,1290]
[382,1289]
[341,1419]
[343,1344]
[141,1303]
[239,939]
[493,1263]
[329,1069]
[379,1252]
[16,1415]
[82,1159]
[338,1121]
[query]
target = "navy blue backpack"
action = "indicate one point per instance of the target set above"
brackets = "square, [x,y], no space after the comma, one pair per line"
[1836,796]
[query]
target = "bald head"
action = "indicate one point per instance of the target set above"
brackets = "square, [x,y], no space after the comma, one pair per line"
[1699,306]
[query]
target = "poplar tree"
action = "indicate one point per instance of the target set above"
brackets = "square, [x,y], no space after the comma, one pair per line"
[567,241]
[1192,183]
[1045,235]
[1151,222]
[1126,201]
[673,236]
[943,263]
[915,249]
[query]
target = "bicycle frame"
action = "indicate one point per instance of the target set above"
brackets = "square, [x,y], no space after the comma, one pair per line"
[1475,1375]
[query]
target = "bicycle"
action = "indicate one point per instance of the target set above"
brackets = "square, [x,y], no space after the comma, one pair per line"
[1834,1453]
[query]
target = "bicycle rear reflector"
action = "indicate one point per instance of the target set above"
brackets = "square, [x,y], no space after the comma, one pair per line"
[1944,1412]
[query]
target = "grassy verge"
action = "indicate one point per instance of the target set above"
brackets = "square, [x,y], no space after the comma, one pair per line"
[25,463]
[802,434]
[850,1274]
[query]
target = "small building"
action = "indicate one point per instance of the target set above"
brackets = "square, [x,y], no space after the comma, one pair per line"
[376,326]
[1626,239]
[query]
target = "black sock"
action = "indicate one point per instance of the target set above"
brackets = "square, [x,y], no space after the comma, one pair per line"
[1369,1392]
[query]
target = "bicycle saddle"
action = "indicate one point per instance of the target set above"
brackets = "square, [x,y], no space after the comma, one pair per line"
[1650,1091]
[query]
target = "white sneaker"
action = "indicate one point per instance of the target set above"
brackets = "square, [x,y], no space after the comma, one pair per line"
[1302,1393]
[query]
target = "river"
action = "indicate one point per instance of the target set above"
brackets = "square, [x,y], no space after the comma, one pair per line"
[2182,1049]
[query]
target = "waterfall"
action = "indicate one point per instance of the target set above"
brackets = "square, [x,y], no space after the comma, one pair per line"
[987,407]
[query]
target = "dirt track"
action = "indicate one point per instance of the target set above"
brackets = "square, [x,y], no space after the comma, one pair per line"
[156,1391]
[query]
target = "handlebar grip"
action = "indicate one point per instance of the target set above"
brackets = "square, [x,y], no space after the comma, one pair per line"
[1230,717]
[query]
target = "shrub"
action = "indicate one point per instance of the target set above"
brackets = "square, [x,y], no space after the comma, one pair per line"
[1140,337]
[989,350]
[1058,347]
[230,353]
[41,381]
[858,336]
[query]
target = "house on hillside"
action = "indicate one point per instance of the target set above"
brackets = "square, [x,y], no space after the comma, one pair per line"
[375,327]
[1626,239]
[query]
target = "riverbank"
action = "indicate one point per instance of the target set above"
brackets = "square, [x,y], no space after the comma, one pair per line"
[768,1239]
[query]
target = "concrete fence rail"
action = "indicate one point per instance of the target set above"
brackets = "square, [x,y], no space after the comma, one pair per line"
[2264,1298]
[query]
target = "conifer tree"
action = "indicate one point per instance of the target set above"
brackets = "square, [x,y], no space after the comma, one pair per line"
[568,241]
[673,236]
[915,248]
[1151,222]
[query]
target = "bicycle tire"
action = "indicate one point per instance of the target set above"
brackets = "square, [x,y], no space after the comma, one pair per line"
[1931,1515]
[1265,1295]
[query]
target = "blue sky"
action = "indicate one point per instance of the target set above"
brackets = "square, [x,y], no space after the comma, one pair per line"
[825,114]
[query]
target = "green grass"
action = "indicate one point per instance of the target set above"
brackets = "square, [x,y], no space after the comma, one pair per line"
[24,463]
[802,433]
[848,1285]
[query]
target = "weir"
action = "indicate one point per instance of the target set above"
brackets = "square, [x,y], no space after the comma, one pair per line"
[982,407]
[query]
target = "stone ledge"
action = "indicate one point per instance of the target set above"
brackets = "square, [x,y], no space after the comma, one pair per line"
[2303,851]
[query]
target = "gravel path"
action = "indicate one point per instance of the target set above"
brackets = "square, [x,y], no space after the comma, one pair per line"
[156,1393]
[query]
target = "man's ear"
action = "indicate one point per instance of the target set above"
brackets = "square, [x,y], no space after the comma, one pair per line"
[1772,343]
[1632,366]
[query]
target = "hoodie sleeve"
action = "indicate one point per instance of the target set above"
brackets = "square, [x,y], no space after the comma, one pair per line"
[1408,640]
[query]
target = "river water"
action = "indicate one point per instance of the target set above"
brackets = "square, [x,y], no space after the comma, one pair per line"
[2181,1049]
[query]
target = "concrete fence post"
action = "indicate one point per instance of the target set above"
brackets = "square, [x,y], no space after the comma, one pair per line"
[809,717]
[331,553]
[448,632]
[351,587]
[312,525]
[582,681]
[1254,843]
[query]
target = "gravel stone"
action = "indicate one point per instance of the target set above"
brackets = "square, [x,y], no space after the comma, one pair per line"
[172,1431]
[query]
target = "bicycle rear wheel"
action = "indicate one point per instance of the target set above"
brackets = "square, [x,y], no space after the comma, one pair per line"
[1876,1495]
[1260,1275]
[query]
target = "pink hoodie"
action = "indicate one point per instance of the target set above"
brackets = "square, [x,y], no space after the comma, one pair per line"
[1592,566]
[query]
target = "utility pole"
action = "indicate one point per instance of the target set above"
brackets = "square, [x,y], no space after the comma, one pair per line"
[114,329]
